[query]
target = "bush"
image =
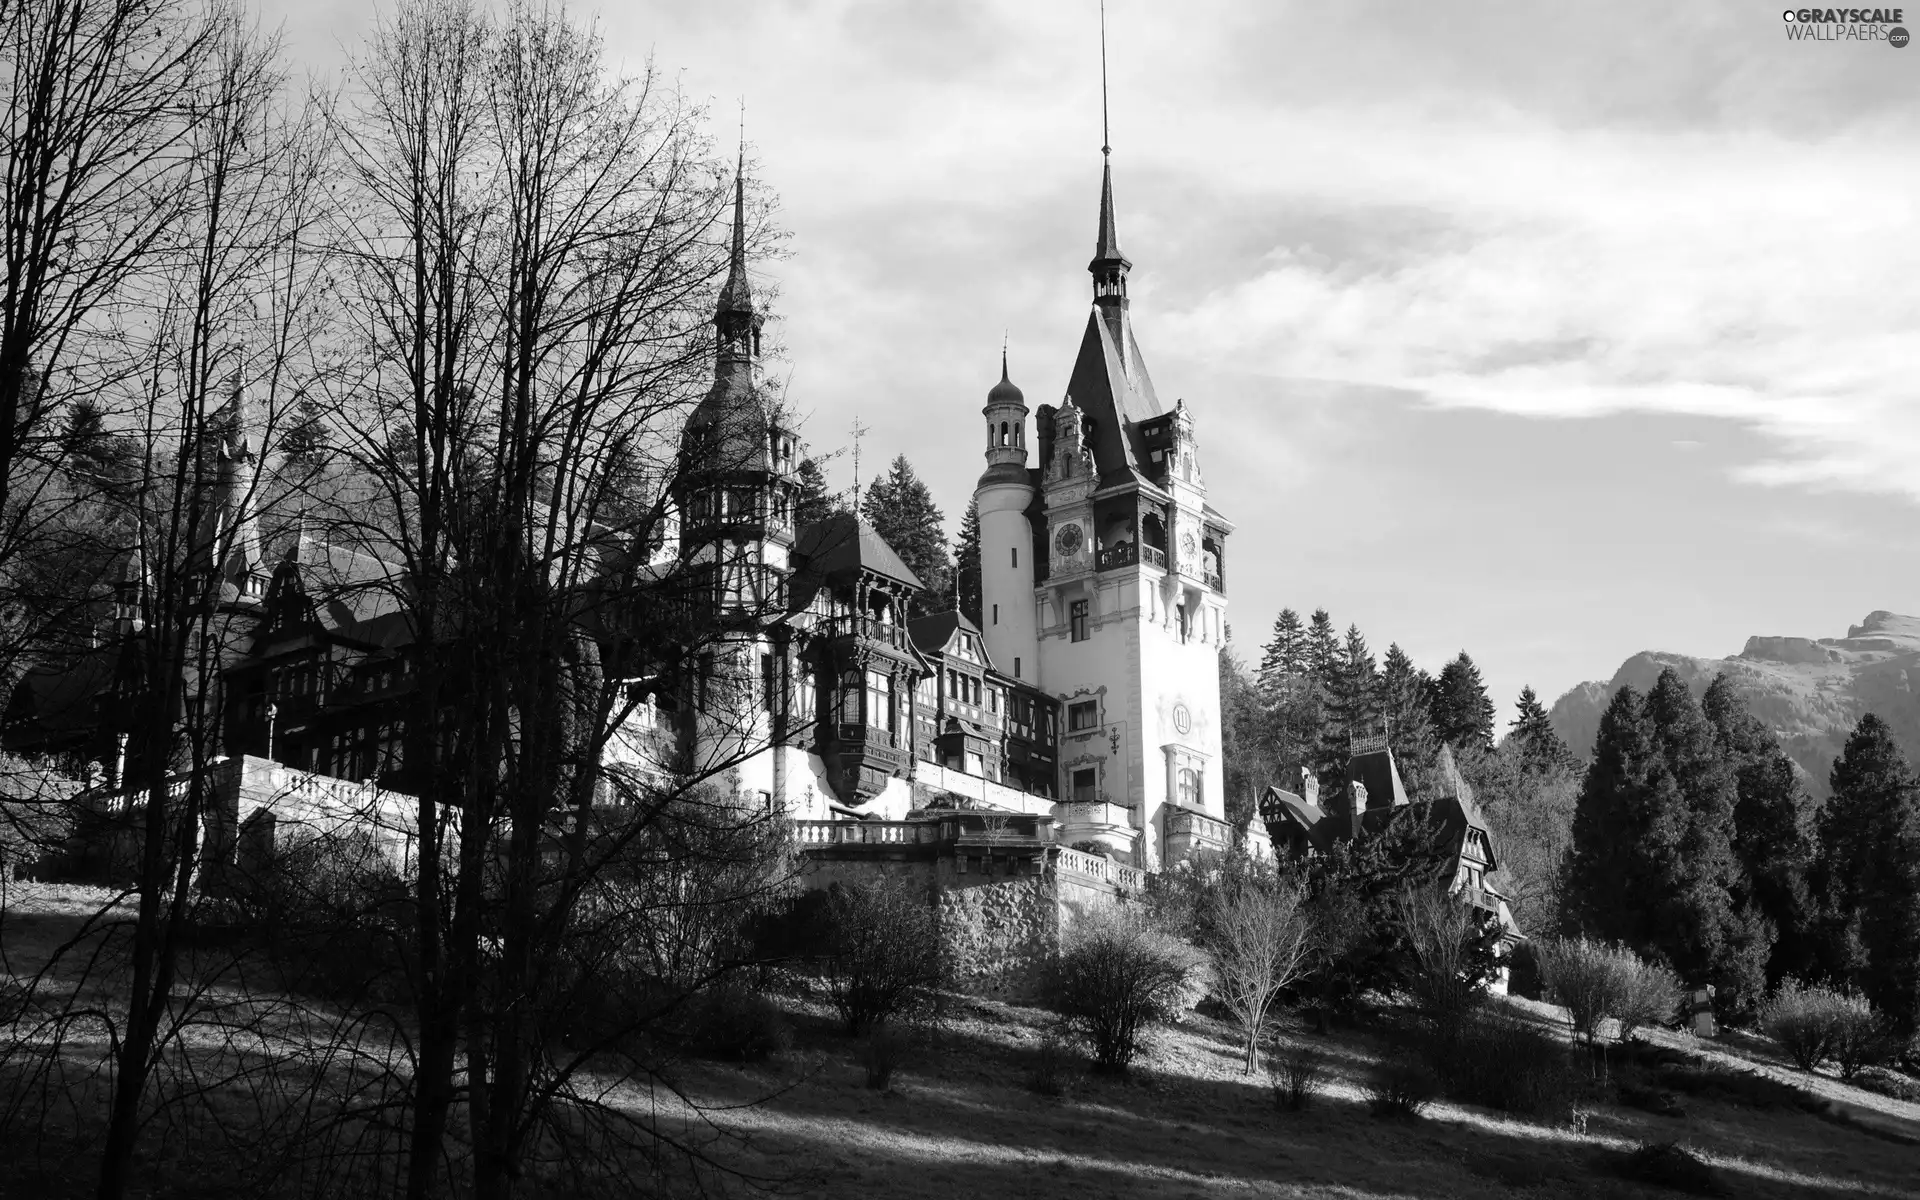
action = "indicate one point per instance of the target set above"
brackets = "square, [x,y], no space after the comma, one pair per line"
[1595,981]
[884,956]
[881,1053]
[1450,956]
[1500,1060]
[1118,973]
[1891,1084]
[1802,1018]
[1670,1165]
[1047,1074]
[1658,1101]
[1859,1038]
[1400,1089]
[732,1021]
[1296,1078]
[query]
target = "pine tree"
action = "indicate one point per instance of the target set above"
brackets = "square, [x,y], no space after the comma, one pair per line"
[1605,874]
[814,503]
[966,565]
[1245,752]
[1323,648]
[1462,712]
[1869,872]
[1695,923]
[1285,658]
[1772,830]
[308,439]
[1403,708]
[901,509]
[1351,709]
[1539,747]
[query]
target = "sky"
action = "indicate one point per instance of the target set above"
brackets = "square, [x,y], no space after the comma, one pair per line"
[1549,332]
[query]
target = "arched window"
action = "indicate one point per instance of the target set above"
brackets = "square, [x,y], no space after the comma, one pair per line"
[1003,433]
[1190,787]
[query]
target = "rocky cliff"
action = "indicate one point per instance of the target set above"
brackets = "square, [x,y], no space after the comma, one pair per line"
[1810,690]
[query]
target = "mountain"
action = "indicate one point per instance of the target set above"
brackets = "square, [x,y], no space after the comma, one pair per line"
[1811,691]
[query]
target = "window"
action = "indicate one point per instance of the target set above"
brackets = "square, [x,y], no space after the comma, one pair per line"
[1016,556]
[1077,620]
[1185,625]
[1086,785]
[996,614]
[1016,666]
[1084,715]
[880,700]
[768,682]
[1190,787]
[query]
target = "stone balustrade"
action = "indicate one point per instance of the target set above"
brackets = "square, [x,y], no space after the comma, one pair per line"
[873,833]
[1096,867]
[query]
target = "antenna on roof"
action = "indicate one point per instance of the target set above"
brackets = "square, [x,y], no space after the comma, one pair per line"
[1106,142]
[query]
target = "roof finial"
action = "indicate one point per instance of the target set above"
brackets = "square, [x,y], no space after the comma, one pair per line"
[1106,141]
[1003,356]
[736,298]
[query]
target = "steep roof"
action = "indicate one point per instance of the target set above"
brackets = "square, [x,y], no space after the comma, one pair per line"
[842,543]
[1372,765]
[931,634]
[1116,396]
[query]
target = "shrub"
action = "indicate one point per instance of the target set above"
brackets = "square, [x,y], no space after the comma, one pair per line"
[733,1021]
[1595,981]
[1445,938]
[1119,972]
[1047,1074]
[1296,1078]
[884,956]
[1802,1018]
[1400,1089]
[881,1053]
[1651,996]
[1859,1038]
[1500,1060]
[1891,1084]
[1658,1101]
[1668,1164]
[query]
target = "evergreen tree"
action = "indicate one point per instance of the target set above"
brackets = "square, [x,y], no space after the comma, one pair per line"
[1351,709]
[1772,830]
[1403,708]
[1539,747]
[814,503]
[1285,657]
[1869,872]
[1462,712]
[1696,925]
[1605,875]
[308,439]
[901,510]
[1323,649]
[966,566]
[90,451]
[1245,752]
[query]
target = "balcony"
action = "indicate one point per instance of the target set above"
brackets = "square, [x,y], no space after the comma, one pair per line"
[1154,557]
[864,833]
[1214,581]
[1105,870]
[1116,557]
[1190,831]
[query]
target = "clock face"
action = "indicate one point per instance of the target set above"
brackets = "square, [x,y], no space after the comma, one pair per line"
[1069,540]
[1182,719]
[1189,544]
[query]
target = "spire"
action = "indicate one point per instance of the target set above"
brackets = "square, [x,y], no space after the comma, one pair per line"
[1109,265]
[736,298]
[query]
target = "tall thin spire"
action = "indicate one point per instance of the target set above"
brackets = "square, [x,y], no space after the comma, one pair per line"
[1109,265]
[736,298]
[1106,140]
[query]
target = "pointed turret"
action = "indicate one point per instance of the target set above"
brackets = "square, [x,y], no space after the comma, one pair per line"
[734,313]
[227,541]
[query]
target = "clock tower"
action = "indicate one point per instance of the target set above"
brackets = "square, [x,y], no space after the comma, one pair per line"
[1120,560]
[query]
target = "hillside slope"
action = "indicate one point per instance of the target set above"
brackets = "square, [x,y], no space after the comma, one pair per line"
[1811,691]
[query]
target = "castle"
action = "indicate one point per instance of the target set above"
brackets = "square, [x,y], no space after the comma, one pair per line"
[1075,733]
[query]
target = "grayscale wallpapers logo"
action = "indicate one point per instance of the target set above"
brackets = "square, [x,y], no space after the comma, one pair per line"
[1846,25]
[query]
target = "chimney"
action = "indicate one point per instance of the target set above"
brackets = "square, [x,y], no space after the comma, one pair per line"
[1358,806]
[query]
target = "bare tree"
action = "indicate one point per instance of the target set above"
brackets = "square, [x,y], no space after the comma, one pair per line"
[532,245]
[1260,938]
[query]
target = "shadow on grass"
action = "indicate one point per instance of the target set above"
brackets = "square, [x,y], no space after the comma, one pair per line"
[959,1122]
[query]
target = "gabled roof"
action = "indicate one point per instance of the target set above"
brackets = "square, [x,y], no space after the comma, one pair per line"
[1115,398]
[843,544]
[932,634]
